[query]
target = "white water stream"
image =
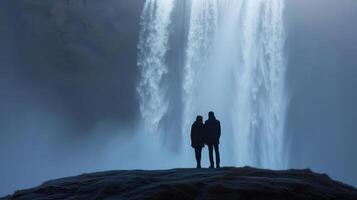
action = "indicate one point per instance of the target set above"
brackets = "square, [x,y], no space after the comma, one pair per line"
[234,65]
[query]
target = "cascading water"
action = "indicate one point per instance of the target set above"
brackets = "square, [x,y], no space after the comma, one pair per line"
[234,65]
[153,46]
[261,102]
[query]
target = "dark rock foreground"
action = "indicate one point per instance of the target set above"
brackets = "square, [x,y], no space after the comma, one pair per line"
[224,183]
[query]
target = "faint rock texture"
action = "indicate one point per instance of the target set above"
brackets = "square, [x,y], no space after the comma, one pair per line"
[224,183]
[75,50]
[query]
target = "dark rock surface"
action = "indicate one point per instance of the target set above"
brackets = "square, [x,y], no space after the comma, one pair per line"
[224,183]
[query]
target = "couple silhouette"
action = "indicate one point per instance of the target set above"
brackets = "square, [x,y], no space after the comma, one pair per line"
[206,133]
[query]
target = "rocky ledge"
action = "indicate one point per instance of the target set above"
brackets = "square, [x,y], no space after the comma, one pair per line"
[225,183]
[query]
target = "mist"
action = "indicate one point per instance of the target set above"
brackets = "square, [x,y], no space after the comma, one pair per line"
[69,103]
[322,73]
[67,88]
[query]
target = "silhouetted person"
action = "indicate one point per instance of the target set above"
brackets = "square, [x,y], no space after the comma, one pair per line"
[197,138]
[213,133]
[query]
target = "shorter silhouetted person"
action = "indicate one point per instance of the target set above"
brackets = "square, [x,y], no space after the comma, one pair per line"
[197,138]
[213,133]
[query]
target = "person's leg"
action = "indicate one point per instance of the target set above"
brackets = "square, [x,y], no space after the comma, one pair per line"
[216,149]
[197,156]
[199,153]
[210,151]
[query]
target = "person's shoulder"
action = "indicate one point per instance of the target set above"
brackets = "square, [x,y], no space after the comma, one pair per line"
[218,121]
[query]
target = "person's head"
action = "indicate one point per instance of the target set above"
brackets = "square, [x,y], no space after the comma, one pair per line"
[211,115]
[199,119]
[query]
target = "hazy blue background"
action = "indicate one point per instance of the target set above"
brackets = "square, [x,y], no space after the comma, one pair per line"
[322,76]
[67,86]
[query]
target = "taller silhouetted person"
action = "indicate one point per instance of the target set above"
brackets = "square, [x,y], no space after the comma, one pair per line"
[197,138]
[213,133]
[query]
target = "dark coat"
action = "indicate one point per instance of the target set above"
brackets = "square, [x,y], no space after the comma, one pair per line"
[213,131]
[197,135]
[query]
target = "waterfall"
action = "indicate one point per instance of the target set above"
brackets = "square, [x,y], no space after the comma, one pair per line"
[261,102]
[202,27]
[234,65]
[153,46]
